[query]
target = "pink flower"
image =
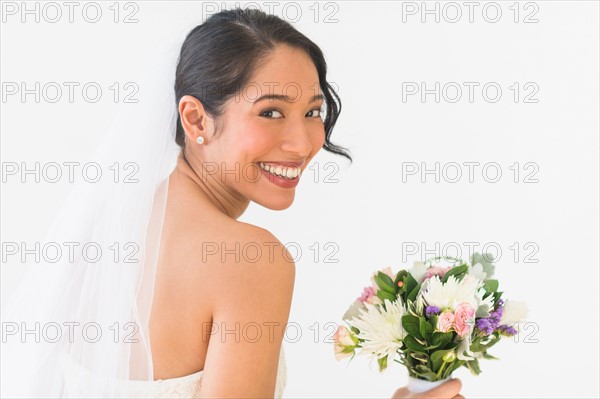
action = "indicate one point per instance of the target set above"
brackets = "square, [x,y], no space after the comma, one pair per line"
[369,295]
[436,271]
[463,319]
[445,321]
[343,341]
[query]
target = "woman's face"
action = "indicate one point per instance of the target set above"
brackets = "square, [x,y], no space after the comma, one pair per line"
[261,129]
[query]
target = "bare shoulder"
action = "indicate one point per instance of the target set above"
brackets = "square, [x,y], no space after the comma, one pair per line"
[222,262]
[255,262]
[251,295]
[252,260]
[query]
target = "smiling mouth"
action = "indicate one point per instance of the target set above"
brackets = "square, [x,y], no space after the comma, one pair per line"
[289,170]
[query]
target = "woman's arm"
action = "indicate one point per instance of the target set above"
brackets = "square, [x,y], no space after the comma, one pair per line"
[251,309]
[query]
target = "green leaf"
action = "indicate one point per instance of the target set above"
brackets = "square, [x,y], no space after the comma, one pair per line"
[441,339]
[421,357]
[455,271]
[425,372]
[436,358]
[491,285]
[451,345]
[413,294]
[482,311]
[400,276]
[384,282]
[497,295]
[477,346]
[425,328]
[488,356]
[382,362]
[412,344]
[486,261]
[473,366]
[386,295]
[423,369]
[452,367]
[410,324]
[410,283]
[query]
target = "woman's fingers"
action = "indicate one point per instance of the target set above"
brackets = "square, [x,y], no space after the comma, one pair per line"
[401,393]
[448,390]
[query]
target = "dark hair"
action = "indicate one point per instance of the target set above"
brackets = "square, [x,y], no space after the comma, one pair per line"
[219,56]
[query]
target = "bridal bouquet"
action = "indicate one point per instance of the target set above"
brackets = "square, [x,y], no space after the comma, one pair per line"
[433,318]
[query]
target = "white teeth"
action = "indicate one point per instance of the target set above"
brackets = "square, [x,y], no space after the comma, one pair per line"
[288,172]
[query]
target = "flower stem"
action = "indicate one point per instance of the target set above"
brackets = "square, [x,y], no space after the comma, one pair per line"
[440,370]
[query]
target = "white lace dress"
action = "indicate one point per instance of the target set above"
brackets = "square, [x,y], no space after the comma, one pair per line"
[181,387]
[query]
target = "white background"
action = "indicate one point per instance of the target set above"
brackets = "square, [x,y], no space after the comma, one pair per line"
[370,212]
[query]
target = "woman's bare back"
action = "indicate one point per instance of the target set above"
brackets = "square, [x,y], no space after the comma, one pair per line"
[181,303]
[193,274]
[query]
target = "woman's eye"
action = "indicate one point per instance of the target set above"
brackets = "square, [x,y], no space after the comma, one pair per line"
[274,114]
[317,111]
[270,113]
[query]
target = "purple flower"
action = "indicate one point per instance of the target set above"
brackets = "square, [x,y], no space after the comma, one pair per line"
[496,316]
[431,310]
[507,330]
[485,325]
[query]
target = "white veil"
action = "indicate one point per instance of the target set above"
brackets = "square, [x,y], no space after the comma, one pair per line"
[79,327]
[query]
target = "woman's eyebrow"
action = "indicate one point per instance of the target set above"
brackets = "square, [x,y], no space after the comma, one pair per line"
[283,97]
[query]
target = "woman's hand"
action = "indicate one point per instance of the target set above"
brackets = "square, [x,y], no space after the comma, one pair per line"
[448,390]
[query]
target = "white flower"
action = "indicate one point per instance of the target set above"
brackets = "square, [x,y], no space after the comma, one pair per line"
[418,271]
[381,329]
[419,304]
[513,312]
[477,271]
[453,292]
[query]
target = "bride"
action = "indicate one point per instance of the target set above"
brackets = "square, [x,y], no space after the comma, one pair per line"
[202,311]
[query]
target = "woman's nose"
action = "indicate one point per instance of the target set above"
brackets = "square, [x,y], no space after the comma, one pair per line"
[297,139]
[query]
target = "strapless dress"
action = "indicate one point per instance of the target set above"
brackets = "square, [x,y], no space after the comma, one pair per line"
[181,387]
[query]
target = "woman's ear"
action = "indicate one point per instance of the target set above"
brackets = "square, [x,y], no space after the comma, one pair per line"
[193,118]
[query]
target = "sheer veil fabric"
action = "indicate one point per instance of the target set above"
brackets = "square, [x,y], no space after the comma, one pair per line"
[91,311]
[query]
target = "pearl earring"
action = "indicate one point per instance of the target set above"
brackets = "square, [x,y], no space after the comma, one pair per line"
[200,140]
